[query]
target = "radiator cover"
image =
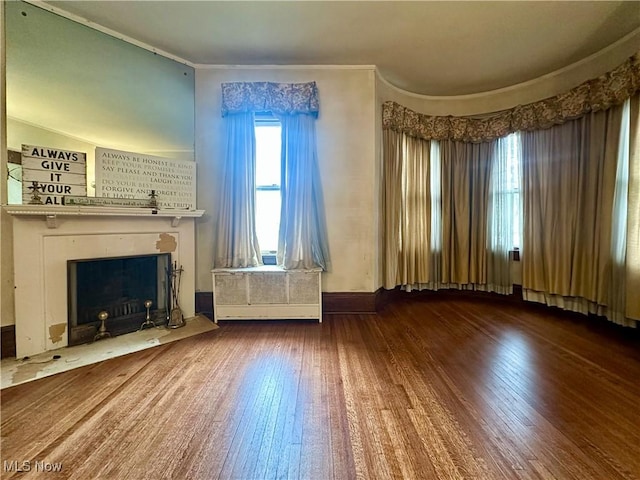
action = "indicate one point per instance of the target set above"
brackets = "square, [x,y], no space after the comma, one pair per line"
[266,292]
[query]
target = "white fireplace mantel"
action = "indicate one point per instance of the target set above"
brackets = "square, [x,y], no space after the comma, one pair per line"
[52,212]
[46,237]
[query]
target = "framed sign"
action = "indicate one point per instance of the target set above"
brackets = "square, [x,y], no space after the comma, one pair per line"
[57,173]
[134,175]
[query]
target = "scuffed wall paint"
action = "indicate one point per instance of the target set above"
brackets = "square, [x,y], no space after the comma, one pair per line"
[56,331]
[167,243]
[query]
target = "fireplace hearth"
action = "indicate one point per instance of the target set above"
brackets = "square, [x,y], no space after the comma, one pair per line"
[119,287]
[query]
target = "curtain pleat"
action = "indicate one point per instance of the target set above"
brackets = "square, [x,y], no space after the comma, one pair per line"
[236,242]
[302,238]
[415,223]
[407,210]
[466,174]
[392,206]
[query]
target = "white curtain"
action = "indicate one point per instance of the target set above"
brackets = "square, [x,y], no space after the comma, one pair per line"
[615,309]
[236,243]
[302,238]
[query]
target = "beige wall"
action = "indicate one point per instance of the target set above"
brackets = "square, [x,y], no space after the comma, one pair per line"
[346,133]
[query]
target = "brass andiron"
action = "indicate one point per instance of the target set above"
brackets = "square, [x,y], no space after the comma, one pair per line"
[102,332]
[148,323]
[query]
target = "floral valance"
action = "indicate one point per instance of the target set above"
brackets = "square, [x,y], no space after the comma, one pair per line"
[600,93]
[279,98]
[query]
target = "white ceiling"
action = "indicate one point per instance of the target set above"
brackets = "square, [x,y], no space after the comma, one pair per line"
[432,48]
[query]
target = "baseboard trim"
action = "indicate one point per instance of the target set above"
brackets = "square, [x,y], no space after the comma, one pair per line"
[8,341]
[350,302]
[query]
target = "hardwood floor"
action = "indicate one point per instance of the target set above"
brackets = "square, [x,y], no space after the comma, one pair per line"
[430,388]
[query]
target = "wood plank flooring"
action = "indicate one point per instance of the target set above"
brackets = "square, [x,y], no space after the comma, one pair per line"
[432,387]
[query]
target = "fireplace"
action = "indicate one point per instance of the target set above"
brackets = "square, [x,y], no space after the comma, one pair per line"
[119,286]
[45,237]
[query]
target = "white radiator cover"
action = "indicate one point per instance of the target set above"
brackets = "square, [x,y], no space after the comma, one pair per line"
[266,292]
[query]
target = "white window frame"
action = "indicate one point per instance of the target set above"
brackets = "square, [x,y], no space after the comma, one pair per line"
[268,256]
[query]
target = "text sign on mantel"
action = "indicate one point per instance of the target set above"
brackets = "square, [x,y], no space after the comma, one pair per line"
[133,175]
[58,173]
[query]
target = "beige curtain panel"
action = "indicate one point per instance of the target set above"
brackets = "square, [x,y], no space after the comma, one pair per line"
[569,183]
[438,228]
[581,197]
[466,175]
[407,211]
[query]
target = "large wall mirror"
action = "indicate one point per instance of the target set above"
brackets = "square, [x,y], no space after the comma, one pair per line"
[75,88]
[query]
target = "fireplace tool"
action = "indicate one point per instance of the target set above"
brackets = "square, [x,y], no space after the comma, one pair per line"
[148,323]
[176,318]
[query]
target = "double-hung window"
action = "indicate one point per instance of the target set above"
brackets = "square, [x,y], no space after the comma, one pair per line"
[512,187]
[268,177]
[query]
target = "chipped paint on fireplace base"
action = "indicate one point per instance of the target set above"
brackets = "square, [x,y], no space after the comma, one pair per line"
[56,332]
[167,243]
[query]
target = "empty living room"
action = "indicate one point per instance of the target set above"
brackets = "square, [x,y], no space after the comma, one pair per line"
[320,240]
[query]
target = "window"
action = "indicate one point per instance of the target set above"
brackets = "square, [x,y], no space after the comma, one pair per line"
[506,192]
[513,188]
[268,166]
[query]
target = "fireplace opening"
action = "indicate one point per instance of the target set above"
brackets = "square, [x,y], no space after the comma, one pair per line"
[119,286]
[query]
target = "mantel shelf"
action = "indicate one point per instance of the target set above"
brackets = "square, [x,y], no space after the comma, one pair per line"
[51,213]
